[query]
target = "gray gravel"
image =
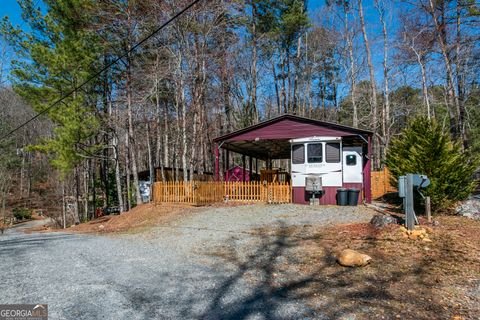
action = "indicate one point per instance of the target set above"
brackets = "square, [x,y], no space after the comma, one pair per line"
[169,272]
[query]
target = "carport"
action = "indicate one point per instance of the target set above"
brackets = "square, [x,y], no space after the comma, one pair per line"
[271,140]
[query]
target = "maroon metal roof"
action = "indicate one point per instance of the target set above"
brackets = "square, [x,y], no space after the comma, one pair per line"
[290,127]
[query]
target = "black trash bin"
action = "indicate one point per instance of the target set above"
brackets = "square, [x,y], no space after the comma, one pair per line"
[353,197]
[342,196]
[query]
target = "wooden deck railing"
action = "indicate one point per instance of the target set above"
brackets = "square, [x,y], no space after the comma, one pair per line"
[275,192]
[199,192]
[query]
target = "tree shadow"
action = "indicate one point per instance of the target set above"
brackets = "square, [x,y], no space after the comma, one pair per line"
[274,281]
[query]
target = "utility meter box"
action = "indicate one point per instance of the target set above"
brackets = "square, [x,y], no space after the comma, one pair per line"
[313,184]
[420,180]
[401,186]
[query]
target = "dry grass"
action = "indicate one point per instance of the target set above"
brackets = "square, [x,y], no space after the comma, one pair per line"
[415,279]
[408,279]
[139,218]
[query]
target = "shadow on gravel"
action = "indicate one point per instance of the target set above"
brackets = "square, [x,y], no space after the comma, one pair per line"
[274,283]
[13,245]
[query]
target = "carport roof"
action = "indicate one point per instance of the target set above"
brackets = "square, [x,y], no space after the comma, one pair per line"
[270,139]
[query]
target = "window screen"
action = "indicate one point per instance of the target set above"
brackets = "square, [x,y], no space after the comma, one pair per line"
[298,154]
[314,152]
[332,152]
[351,160]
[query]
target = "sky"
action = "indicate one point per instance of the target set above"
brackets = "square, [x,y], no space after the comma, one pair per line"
[11,9]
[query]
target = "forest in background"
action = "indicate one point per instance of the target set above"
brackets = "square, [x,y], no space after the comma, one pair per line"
[221,66]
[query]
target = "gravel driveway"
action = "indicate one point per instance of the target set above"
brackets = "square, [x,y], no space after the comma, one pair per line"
[169,272]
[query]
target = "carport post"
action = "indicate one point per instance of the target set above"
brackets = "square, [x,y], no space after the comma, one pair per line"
[367,177]
[243,167]
[250,170]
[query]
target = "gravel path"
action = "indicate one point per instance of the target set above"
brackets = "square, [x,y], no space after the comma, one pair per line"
[169,272]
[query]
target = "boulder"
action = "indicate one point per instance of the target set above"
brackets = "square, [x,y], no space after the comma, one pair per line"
[381,221]
[418,232]
[352,258]
[469,208]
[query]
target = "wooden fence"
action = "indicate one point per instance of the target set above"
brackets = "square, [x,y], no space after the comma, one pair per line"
[194,192]
[199,192]
[204,192]
[381,183]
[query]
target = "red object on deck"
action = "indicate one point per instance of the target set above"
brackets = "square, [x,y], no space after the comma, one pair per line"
[237,173]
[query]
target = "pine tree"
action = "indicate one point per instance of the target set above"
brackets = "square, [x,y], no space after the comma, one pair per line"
[58,54]
[423,147]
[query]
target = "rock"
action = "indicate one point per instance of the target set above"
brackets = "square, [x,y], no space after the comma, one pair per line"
[417,233]
[352,258]
[380,221]
[469,208]
[426,239]
[412,237]
[101,227]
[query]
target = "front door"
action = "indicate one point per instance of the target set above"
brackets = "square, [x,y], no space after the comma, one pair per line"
[352,165]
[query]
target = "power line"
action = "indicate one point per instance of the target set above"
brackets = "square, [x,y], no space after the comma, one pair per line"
[57,102]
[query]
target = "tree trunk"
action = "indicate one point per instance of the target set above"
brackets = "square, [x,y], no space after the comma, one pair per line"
[424,85]
[127,171]
[373,88]
[76,213]
[131,133]
[118,177]
[253,105]
[166,159]
[277,93]
[64,215]
[353,71]
[184,129]
[453,105]
[160,150]
[150,157]
[386,108]
[193,152]
[116,155]
[459,72]
[295,80]
[289,83]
